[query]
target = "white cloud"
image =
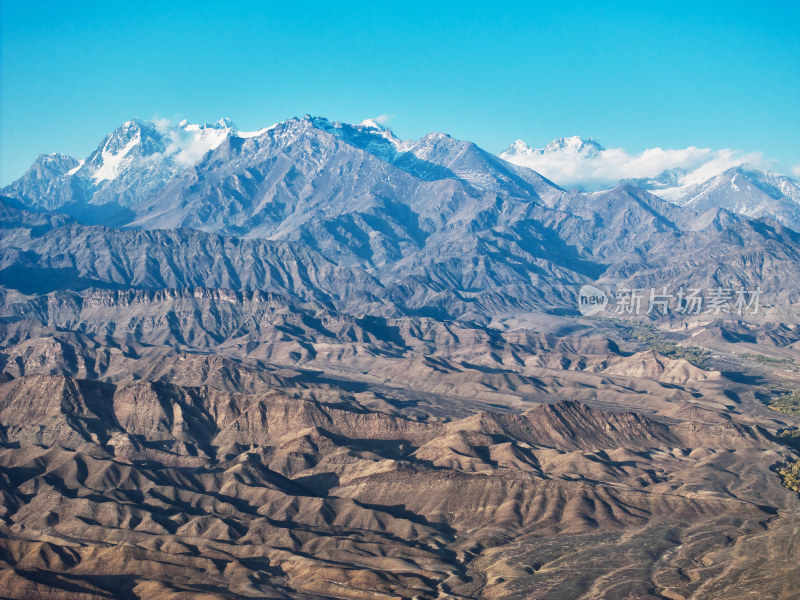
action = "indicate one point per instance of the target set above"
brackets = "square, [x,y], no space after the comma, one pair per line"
[162,125]
[575,163]
[188,142]
[796,170]
[195,144]
[383,119]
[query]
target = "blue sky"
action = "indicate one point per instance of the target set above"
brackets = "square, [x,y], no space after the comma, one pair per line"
[631,75]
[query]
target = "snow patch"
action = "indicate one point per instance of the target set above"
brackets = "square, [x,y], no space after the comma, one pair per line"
[75,169]
[257,133]
[113,164]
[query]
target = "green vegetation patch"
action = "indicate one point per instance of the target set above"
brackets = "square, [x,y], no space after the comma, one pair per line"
[650,336]
[790,437]
[790,475]
[789,404]
[787,364]
[767,360]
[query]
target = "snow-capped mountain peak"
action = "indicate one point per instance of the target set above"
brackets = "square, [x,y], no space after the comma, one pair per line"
[139,158]
[154,146]
[224,124]
[518,147]
[367,135]
[574,144]
[56,162]
[740,189]
[114,155]
[372,124]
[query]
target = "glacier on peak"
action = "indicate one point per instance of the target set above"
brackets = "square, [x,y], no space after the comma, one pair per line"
[113,158]
[75,169]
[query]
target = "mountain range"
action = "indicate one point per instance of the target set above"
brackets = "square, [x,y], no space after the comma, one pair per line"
[744,190]
[436,225]
[318,361]
[132,166]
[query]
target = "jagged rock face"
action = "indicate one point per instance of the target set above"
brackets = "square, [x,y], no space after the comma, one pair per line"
[473,277]
[44,186]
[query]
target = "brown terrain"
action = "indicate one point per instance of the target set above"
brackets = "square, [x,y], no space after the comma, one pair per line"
[322,456]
